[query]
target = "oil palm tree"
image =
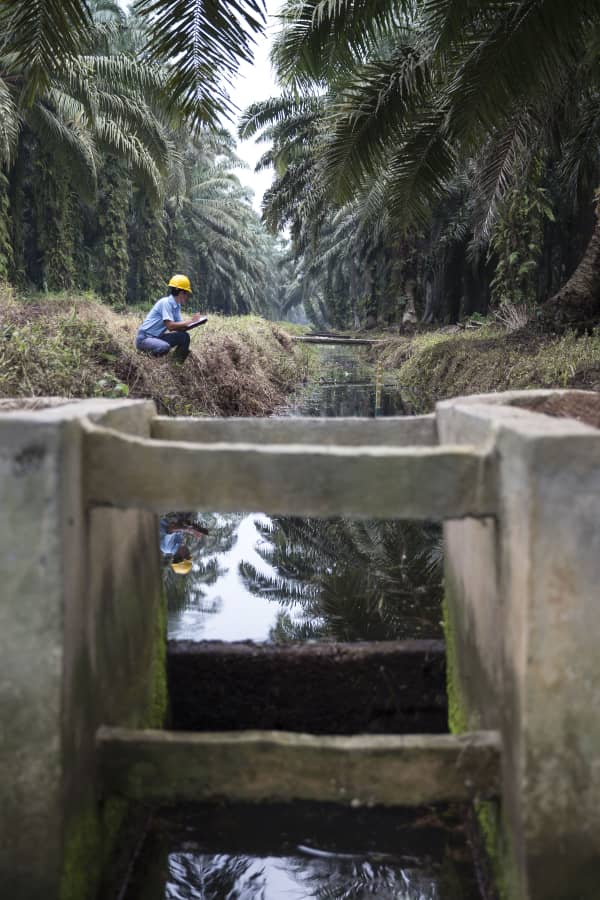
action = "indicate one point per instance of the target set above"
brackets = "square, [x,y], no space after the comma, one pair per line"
[420,88]
[96,104]
[224,242]
[207,41]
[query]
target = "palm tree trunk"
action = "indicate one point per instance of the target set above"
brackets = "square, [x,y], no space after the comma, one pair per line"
[577,303]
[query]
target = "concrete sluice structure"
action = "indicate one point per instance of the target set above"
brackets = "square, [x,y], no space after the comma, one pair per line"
[82,643]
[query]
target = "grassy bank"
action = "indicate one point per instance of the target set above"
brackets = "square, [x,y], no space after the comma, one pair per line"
[74,346]
[438,365]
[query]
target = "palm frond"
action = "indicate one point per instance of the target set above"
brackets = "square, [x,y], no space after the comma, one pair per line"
[208,41]
[503,161]
[320,37]
[41,35]
[68,139]
[579,164]
[9,124]
[370,113]
[419,170]
[112,136]
[278,110]
[497,71]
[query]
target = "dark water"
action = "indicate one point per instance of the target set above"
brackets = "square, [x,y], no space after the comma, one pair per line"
[347,386]
[241,852]
[282,579]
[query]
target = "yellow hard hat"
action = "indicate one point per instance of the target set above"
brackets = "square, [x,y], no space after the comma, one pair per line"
[182,282]
[183,567]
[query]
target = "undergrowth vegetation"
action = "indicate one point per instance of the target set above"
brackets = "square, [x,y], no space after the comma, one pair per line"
[438,365]
[73,346]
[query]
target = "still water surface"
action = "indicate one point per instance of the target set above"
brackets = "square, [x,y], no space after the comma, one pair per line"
[280,579]
[304,852]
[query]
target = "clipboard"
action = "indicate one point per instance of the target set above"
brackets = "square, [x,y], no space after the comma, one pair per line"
[199,322]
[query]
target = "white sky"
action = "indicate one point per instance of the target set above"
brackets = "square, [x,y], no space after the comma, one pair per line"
[256,82]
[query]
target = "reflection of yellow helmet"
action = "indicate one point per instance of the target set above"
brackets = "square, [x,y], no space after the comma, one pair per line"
[182,282]
[183,567]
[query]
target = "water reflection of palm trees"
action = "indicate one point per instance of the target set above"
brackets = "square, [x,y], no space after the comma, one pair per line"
[336,876]
[297,878]
[350,580]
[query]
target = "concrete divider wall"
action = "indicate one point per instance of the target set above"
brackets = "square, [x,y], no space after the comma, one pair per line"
[81,634]
[523,595]
[81,645]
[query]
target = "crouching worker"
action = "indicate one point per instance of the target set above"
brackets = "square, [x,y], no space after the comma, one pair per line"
[173,546]
[163,327]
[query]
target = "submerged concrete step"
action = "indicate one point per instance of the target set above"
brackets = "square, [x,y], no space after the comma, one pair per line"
[262,766]
[396,687]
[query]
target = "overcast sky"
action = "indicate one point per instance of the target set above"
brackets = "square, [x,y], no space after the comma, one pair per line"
[256,82]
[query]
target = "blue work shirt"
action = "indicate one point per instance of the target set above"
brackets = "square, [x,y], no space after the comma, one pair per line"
[169,542]
[167,308]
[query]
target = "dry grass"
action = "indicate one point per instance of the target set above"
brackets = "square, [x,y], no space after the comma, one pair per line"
[438,365]
[74,346]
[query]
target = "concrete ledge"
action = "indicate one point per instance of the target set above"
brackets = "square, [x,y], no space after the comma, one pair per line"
[400,431]
[361,482]
[396,687]
[171,767]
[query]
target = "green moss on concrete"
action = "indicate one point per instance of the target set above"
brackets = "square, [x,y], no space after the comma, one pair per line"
[499,855]
[457,711]
[90,842]
[81,857]
[158,707]
[92,834]
[488,813]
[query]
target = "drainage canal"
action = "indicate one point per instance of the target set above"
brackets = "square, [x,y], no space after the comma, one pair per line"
[315,594]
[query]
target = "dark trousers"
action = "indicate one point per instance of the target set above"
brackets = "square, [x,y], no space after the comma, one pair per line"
[158,346]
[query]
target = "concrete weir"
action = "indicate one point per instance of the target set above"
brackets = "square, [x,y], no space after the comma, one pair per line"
[82,642]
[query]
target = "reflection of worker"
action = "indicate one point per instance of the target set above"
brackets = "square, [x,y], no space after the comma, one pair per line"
[164,328]
[173,543]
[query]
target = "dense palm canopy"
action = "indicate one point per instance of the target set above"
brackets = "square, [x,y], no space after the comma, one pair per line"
[426,160]
[438,127]
[108,177]
[203,43]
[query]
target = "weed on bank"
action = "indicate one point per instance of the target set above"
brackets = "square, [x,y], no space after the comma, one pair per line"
[74,346]
[438,366]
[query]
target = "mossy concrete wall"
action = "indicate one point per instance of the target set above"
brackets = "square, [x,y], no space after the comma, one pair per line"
[522,619]
[79,646]
[81,642]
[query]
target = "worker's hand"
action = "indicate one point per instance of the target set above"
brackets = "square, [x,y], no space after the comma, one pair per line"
[198,319]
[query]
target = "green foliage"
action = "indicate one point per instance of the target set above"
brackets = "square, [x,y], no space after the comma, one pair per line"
[517,239]
[440,366]
[111,188]
[73,346]
[52,356]
[111,257]
[148,273]
[418,130]
[208,43]
[6,254]
[55,222]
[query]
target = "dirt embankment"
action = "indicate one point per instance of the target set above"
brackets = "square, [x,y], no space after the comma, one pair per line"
[73,346]
[438,365]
